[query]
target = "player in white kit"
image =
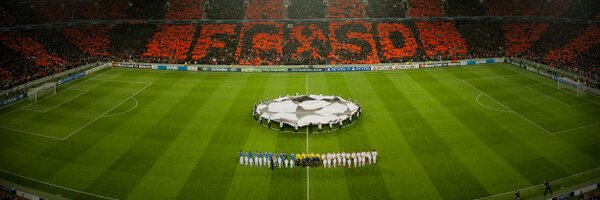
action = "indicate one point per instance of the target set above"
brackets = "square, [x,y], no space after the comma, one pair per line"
[242,158]
[369,158]
[334,160]
[324,160]
[363,156]
[374,153]
[348,160]
[354,159]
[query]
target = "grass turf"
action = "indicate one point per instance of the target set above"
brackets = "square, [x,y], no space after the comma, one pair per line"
[451,133]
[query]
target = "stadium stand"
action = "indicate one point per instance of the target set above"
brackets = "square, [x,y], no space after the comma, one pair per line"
[128,42]
[464,8]
[92,40]
[306,44]
[265,9]
[39,52]
[171,43]
[352,43]
[339,9]
[306,9]
[441,40]
[216,44]
[386,9]
[398,44]
[566,54]
[226,9]
[261,44]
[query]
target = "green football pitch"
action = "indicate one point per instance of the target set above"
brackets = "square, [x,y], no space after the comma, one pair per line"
[481,131]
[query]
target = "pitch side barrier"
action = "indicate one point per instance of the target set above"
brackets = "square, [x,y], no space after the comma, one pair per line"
[307,68]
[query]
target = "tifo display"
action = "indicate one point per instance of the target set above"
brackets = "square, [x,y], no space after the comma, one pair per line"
[292,160]
[306,111]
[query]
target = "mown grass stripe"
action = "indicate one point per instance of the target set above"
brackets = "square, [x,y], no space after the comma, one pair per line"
[480,125]
[283,182]
[438,160]
[213,173]
[141,156]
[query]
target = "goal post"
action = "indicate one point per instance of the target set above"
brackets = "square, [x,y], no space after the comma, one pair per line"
[575,86]
[35,93]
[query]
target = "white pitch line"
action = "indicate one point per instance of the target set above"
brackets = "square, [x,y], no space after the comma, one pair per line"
[136,104]
[544,82]
[529,86]
[131,96]
[508,108]
[30,133]
[540,185]
[58,186]
[477,100]
[72,86]
[48,109]
[118,81]
[308,168]
[584,126]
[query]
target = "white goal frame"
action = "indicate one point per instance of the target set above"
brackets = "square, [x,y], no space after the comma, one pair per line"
[571,85]
[35,93]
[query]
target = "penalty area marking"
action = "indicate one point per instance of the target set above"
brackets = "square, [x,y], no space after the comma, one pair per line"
[58,186]
[130,109]
[131,96]
[511,110]
[482,105]
[545,83]
[61,103]
[94,120]
[529,86]
[72,86]
[526,119]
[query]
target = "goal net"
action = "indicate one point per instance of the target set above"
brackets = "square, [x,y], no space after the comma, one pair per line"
[46,89]
[575,86]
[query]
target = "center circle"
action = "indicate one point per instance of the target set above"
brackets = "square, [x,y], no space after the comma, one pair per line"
[307,110]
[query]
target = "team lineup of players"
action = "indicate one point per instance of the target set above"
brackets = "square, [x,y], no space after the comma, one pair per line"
[327,160]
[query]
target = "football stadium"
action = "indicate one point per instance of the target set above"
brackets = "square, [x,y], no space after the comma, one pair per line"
[300,99]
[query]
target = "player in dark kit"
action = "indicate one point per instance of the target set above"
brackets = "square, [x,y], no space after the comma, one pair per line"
[548,187]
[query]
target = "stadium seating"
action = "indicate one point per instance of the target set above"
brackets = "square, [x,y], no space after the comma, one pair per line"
[441,40]
[170,43]
[307,44]
[386,9]
[589,38]
[265,9]
[216,44]
[261,43]
[352,43]
[398,43]
[306,9]
[92,40]
[339,9]
[565,45]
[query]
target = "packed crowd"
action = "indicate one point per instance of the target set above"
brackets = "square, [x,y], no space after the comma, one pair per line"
[10,195]
[592,195]
[306,9]
[60,11]
[43,52]
[265,9]
[386,9]
[292,160]
[339,9]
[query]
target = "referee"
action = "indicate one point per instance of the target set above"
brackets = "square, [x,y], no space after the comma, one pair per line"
[548,187]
